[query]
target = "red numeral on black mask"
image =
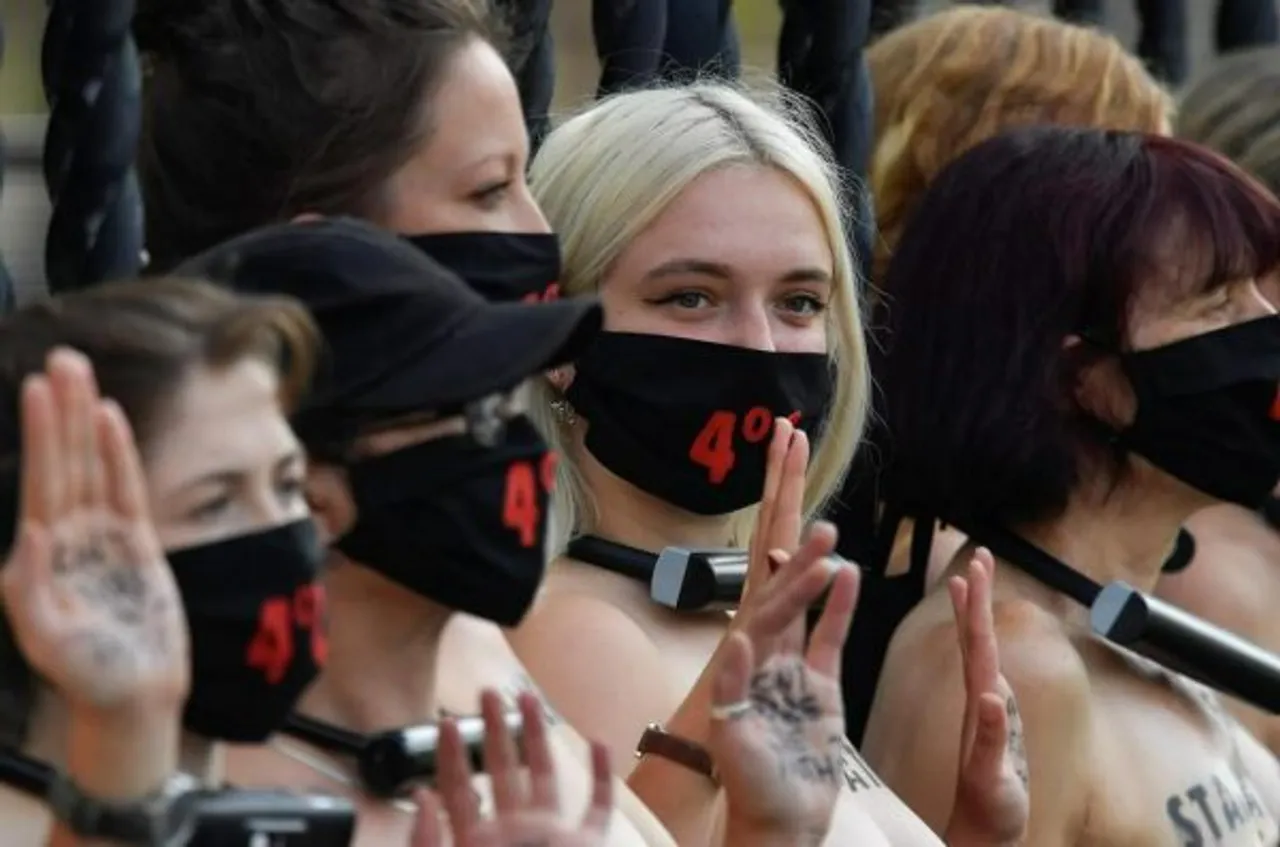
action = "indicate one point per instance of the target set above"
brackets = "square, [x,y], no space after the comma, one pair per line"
[713,446]
[520,504]
[272,649]
[551,292]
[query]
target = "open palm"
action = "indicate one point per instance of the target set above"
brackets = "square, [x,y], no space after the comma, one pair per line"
[87,590]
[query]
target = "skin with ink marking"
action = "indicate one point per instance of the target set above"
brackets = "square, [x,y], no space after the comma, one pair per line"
[88,592]
[1017,745]
[781,696]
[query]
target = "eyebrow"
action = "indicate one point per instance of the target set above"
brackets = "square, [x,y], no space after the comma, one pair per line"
[677,267]
[230,476]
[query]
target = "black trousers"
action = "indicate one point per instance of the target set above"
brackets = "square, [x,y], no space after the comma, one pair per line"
[642,41]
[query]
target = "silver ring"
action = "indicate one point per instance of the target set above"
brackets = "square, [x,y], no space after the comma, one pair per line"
[730,711]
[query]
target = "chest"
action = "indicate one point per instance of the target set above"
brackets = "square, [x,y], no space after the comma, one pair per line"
[1169,773]
[476,656]
[867,807]
[687,647]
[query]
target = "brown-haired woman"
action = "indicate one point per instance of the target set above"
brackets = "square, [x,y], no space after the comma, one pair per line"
[404,114]
[1232,579]
[200,377]
[952,80]
[1080,356]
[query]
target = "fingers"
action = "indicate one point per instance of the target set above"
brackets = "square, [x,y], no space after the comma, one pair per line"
[979,634]
[760,533]
[780,614]
[42,478]
[453,781]
[537,754]
[826,644]
[428,829]
[76,395]
[125,482]
[501,759]
[798,583]
[732,682]
[600,809]
[788,516]
[984,765]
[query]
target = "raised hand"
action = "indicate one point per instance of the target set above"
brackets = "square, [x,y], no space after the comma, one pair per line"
[992,803]
[87,590]
[777,734]
[526,807]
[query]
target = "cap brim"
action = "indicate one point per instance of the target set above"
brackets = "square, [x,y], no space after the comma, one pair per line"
[497,347]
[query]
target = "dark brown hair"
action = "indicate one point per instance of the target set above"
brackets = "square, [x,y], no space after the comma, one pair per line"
[258,111]
[143,339]
[1027,238]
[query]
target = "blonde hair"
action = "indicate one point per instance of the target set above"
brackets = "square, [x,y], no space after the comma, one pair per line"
[956,78]
[604,176]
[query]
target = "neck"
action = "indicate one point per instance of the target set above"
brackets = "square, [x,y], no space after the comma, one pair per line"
[384,646]
[627,515]
[1122,532]
[46,741]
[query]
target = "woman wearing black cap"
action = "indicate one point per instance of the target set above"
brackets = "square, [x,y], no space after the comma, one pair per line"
[139,577]
[431,487]
[728,289]
[441,160]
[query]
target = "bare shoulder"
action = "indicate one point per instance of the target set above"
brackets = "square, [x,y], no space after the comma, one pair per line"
[598,668]
[1036,654]
[913,736]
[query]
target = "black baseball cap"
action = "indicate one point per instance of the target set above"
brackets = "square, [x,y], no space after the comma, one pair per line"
[402,333]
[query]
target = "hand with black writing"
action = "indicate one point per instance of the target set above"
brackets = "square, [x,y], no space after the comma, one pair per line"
[992,804]
[526,806]
[777,734]
[87,590]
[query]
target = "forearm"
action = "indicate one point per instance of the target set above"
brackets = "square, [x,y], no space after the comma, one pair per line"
[685,801]
[119,758]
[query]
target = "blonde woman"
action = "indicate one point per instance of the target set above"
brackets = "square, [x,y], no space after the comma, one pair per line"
[708,223]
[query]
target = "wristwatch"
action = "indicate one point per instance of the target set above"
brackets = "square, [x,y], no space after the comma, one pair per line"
[163,819]
[656,741]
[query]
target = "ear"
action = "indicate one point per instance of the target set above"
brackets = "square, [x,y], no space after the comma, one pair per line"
[332,506]
[1099,386]
[561,378]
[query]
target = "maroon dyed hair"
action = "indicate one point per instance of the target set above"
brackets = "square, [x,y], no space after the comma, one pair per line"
[1025,239]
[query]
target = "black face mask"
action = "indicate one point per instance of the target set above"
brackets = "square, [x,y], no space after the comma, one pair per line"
[690,422]
[500,266]
[257,618]
[458,523]
[1209,411]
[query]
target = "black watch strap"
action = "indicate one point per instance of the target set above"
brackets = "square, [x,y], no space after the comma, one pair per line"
[161,820]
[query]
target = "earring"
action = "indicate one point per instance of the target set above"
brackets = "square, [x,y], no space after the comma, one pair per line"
[563,412]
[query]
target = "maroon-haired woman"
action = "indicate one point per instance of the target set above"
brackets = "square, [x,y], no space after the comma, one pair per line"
[1078,357]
